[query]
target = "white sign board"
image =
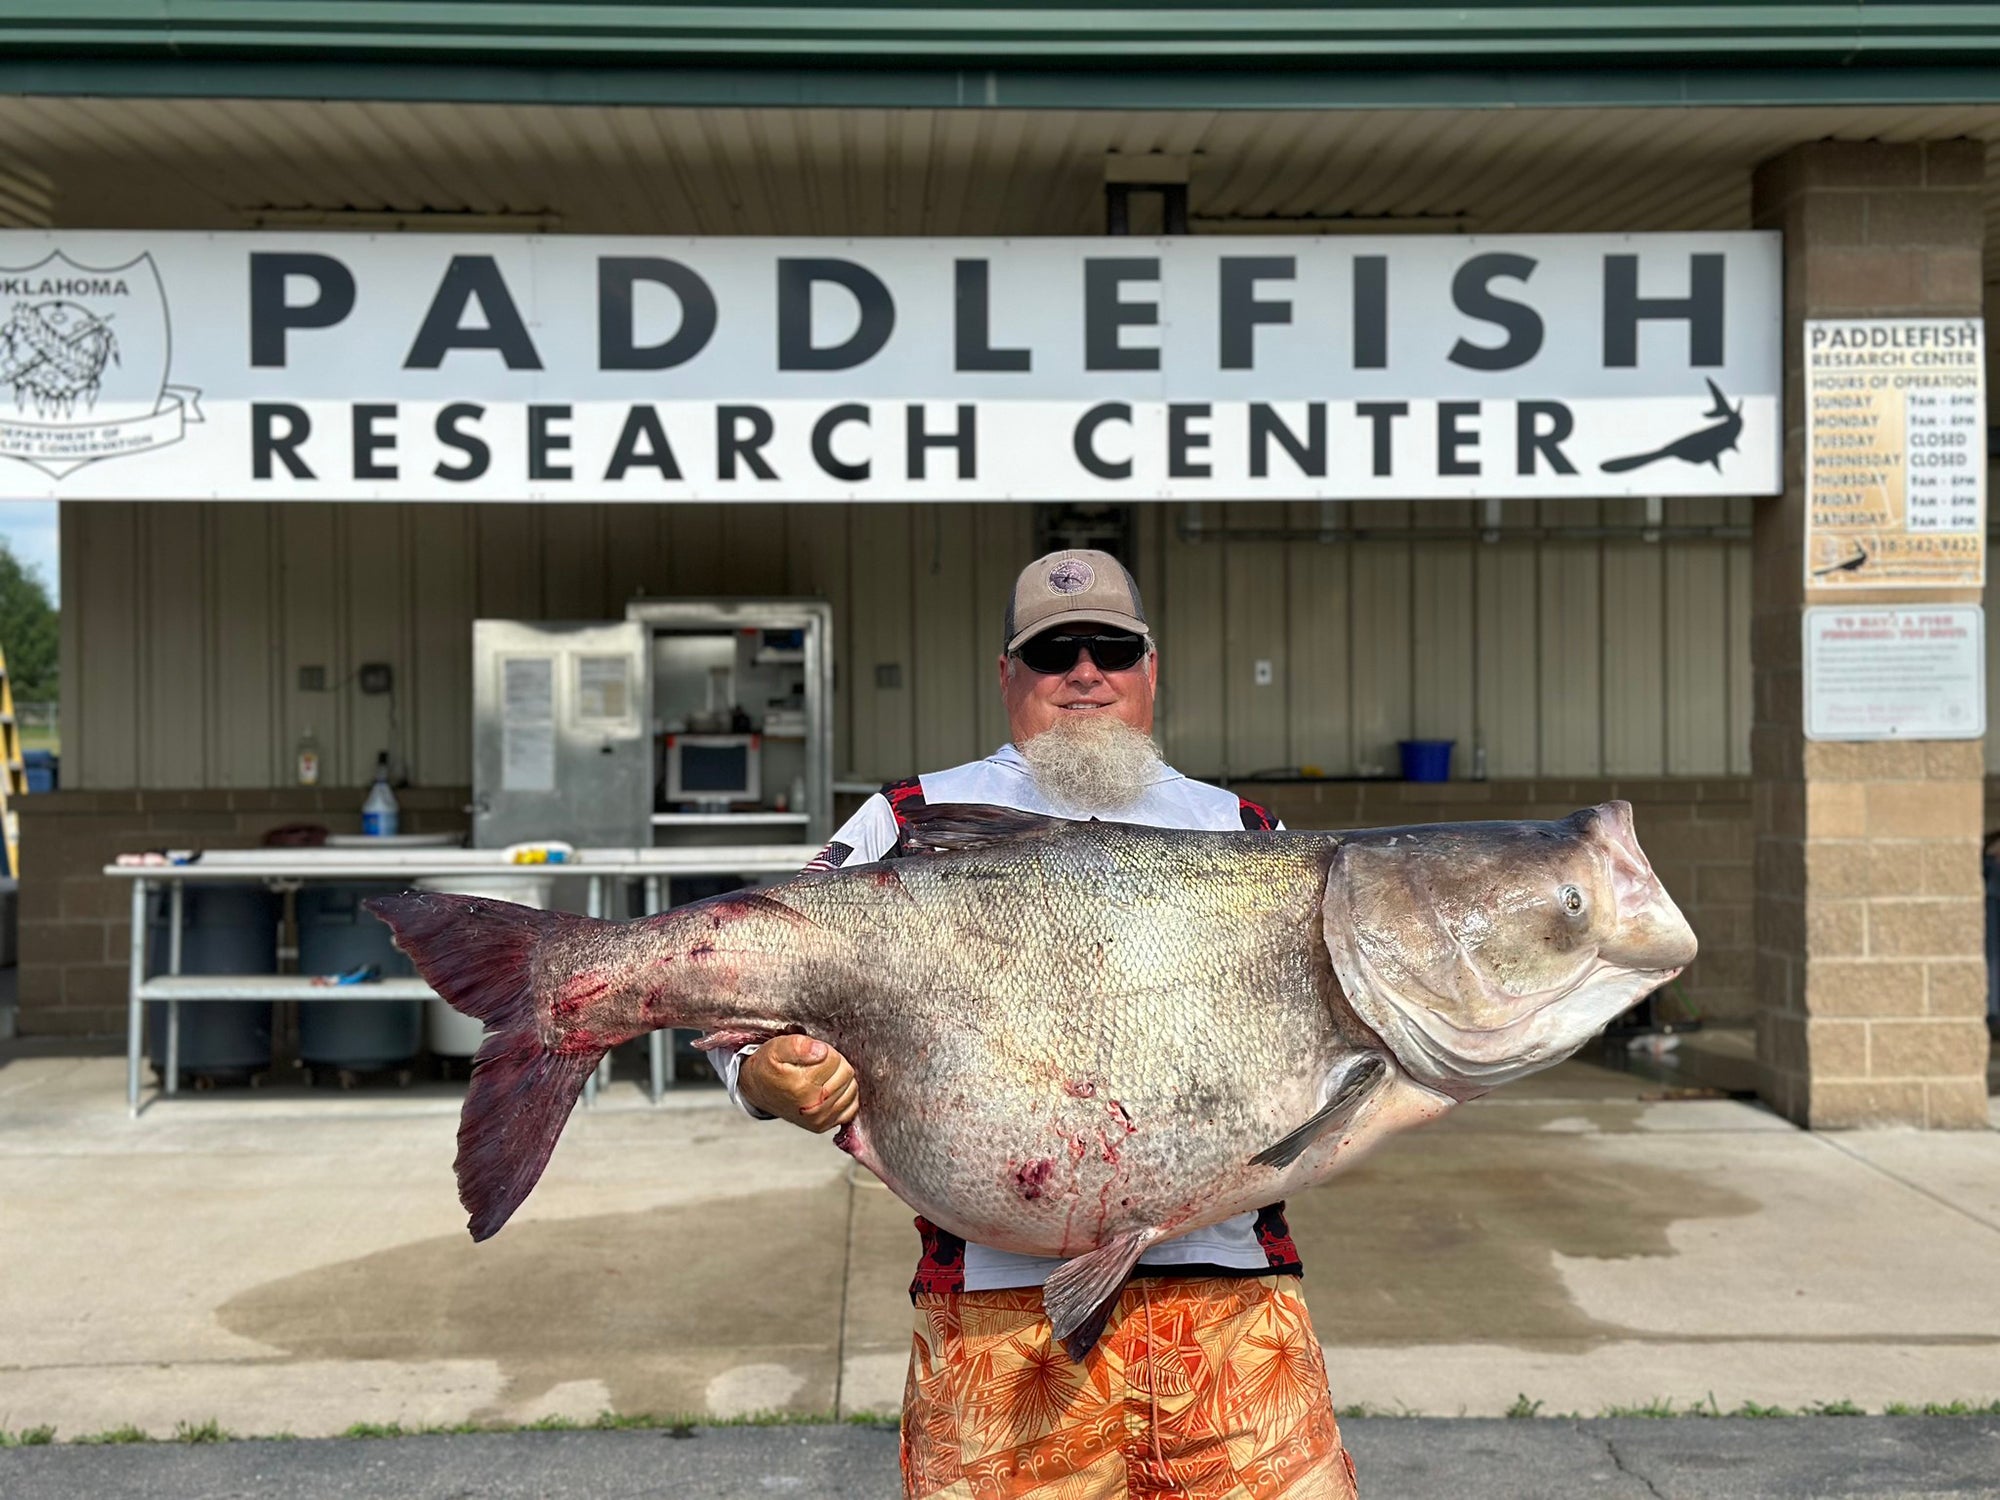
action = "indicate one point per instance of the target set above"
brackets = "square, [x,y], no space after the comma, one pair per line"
[413,367]
[1902,674]
[1895,453]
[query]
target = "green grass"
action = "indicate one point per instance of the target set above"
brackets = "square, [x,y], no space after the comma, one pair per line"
[1523,1408]
[27,1437]
[210,1431]
[126,1434]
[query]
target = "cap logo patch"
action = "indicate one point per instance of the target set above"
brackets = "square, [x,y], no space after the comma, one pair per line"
[1071,576]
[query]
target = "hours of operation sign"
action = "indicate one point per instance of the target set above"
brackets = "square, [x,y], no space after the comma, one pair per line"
[1895,453]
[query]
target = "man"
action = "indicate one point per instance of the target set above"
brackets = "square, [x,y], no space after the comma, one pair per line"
[1208,1380]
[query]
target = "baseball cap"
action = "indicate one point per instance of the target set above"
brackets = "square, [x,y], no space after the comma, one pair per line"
[1070,587]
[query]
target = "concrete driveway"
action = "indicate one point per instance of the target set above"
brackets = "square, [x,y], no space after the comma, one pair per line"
[281,1261]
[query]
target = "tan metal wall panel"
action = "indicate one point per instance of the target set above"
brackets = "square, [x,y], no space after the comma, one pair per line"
[1191,632]
[1561,656]
[101,680]
[1256,629]
[1443,605]
[1737,659]
[1381,665]
[442,547]
[1634,609]
[634,555]
[694,549]
[1506,645]
[1570,646]
[1319,684]
[884,744]
[174,645]
[944,656]
[816,565]
[310,614]
[1003,543]
[573,563]
[375,603]
[753,549]
[243,737]
[509,574]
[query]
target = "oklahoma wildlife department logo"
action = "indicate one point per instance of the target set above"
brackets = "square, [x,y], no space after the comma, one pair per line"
[84,355]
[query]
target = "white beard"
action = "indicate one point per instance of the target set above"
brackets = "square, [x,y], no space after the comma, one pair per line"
[1090,762]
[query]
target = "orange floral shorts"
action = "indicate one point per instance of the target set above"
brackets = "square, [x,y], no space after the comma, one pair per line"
[1207,1388]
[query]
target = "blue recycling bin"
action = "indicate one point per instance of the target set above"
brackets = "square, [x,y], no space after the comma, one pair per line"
[44,770]
[1426,760]
[225,929]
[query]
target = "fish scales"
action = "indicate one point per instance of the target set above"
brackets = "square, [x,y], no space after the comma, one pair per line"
[1073,1039]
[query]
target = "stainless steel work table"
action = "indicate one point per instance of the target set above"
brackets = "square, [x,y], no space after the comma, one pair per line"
[286,869]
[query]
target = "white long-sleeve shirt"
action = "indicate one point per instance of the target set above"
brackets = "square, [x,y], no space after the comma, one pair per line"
[1002,780]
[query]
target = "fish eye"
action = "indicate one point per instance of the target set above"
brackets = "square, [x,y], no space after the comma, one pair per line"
[1571,898]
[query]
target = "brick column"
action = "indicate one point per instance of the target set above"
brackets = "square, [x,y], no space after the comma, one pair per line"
[1870,931]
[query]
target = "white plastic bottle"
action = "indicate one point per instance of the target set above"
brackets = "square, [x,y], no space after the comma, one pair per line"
[379,814]
[308,758]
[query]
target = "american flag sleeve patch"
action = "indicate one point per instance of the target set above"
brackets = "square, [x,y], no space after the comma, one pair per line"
[832,857]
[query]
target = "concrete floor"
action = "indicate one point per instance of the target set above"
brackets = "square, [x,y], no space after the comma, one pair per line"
[285,1261]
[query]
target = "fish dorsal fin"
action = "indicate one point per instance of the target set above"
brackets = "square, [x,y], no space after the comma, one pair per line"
[952,826]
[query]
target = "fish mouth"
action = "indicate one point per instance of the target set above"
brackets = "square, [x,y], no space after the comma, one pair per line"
[1465,1061]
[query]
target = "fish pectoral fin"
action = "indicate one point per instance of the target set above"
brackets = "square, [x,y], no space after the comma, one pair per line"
[1358,1078]
[1080,1293]
[971,825]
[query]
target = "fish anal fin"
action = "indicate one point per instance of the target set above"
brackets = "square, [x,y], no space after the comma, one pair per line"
[1358,1078]
[953,826]
[1079,1293]
[1083,1338]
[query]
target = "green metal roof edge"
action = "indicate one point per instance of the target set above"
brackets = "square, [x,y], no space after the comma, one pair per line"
[969,32]
[979,34]
[1224,88]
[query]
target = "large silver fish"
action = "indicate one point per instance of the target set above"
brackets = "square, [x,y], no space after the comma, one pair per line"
[1075,1039]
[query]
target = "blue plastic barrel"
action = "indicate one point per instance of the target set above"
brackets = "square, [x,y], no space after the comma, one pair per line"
[336,935]
[44,774]
[1426,760]
[225,929]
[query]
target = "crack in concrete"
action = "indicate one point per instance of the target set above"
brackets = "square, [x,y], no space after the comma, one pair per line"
[846,1281]
[1821,1138]
[1618,1462]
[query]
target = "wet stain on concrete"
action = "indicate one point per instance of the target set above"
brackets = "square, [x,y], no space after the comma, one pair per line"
[658,1305]
[1454,1239]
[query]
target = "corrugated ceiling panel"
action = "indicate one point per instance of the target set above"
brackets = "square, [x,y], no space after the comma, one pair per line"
[179,162]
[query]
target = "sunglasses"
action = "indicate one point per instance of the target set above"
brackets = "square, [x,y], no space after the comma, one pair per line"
[1052,655]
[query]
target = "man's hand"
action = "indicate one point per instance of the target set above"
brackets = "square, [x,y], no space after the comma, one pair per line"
[801,1079]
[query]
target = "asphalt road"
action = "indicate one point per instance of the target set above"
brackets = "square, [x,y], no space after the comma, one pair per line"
[1822,1458]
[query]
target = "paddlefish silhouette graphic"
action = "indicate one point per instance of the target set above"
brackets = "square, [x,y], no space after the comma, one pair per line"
[1703,446]
[1852,564]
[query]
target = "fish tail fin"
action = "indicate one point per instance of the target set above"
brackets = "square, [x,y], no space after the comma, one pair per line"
[478,954]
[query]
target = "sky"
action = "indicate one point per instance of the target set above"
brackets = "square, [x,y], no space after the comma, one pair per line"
[29,529]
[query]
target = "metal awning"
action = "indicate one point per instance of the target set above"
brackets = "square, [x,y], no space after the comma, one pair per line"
[237,163]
